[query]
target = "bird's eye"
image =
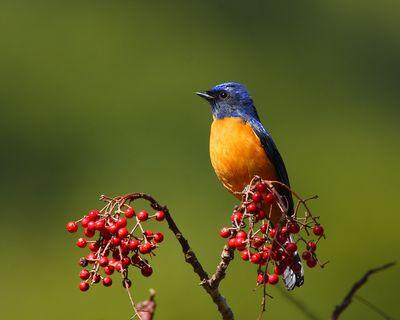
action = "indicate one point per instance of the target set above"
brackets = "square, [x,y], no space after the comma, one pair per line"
[223,95]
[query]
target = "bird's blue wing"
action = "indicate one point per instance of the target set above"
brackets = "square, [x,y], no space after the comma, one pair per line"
[274,156]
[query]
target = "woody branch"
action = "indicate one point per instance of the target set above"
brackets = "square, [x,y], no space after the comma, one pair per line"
[210,284]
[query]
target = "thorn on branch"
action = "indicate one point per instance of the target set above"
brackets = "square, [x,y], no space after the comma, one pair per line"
[146,309]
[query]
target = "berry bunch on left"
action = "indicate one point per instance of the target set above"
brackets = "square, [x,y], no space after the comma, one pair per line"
[116,240]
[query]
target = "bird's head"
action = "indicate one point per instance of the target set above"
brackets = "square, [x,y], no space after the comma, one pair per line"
[229,99]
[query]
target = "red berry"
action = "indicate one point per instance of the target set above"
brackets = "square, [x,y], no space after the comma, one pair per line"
[311,246]
[294,228]
[269,198]
[83,262]
[84,222]
[279,270]
[318,230]
[146,247]
[84,286]
[147,271]
[142,215]
[107,281]
[93,246]
[272,233]
[84,274]
[257,241]
[103,262]
[261,214]
[287,260]
[255,258]
[91,257]
[81,243]
[237,216]
[72,227]
[281,238]
[261,279]
[245,255]
[276,255]
[296,267]
[115,241]
[148,233]
[123,232]
[118,266]
[160,215]
[109,270]
[121,222]
[252,207]
[290,247]
[264,227]
[112,228]
[261,187]
[93,215]
[99,225]
[273,279]
[125,247]
[136,259]
[96,278]
[306,255]
[89,232]
[133,244]
[125,262]
[257,197]
[91,226]
[232,243]
[225,232]
[311,262]
[239,242]
[126,283]
[284,230]
[158,237]
[265,255]
[241,235]
[129,213]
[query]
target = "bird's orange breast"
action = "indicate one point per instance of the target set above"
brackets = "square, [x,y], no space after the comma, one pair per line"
[237,154]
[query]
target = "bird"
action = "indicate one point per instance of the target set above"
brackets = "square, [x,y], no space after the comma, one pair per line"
[241,148]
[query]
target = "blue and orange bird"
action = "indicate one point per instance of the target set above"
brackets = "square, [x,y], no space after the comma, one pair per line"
[240,148]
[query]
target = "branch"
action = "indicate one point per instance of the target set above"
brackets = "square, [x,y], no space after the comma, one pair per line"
[211,286]
[348,298]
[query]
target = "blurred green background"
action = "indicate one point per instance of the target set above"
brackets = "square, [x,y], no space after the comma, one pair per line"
[97,97]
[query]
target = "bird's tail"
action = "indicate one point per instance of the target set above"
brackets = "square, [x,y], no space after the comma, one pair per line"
[292,278]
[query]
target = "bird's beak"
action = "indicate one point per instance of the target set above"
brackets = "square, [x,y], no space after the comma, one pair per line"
[205,95]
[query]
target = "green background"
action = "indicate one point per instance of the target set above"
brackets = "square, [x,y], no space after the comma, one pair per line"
[97,97]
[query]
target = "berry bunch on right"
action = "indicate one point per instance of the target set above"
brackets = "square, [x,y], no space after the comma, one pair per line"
[275,245]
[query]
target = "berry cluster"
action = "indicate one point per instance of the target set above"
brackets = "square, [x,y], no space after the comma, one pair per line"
[273,248]
[117,246]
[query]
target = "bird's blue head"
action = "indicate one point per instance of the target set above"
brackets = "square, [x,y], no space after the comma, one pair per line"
[230,99]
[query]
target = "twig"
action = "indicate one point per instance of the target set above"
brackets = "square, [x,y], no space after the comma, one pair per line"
[226,257]
[373,307]
[210,285]
[299,305]
[133,305]
[348,298]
